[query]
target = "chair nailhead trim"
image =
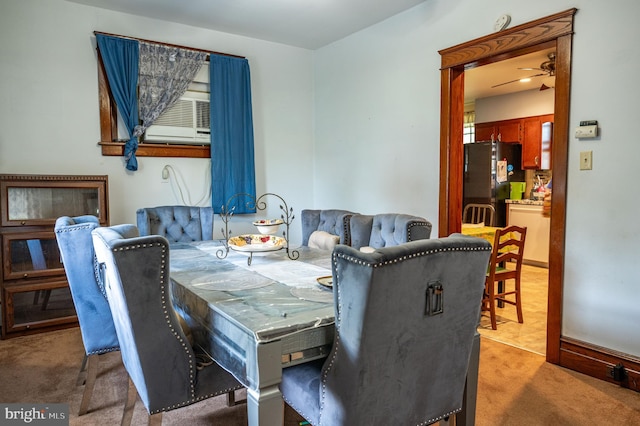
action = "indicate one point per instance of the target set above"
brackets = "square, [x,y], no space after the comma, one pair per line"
[410,256]
[435,419]
[163,287]
[411,225]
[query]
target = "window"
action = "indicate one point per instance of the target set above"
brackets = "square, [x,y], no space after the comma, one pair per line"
[112,142]
[469,127]
[187,121]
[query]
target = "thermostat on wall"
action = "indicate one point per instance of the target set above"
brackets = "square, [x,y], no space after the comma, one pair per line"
[587,129]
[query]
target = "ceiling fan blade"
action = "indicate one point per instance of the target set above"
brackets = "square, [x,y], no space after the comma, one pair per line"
[502,84]
[513,81]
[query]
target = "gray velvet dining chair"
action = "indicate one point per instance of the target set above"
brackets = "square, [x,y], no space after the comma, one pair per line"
[162,366]
[73,235]
[406,318]
[176,223]
[330,223]
[387,229]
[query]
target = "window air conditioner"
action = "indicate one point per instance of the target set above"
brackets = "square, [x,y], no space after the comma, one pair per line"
[187,122]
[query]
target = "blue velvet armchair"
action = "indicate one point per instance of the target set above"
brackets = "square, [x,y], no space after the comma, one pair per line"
[94,316]
[332,221]
[156,353]
[406,320]
[387,229]
[176,223]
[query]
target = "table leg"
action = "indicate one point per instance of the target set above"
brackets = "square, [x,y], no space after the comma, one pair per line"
[265,406]
[501,287]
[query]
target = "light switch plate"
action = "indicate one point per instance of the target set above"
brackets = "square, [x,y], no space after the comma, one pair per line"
[585,160]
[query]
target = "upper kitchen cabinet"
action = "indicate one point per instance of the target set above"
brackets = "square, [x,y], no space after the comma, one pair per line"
[536,142]
[503,131]
[485,132]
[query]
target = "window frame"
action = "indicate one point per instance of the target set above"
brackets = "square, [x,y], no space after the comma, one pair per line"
[109,142]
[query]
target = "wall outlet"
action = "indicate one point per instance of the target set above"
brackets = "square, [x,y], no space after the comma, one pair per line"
[585,160]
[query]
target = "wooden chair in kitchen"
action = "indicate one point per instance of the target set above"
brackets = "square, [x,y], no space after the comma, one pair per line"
[508,246]
[478,213]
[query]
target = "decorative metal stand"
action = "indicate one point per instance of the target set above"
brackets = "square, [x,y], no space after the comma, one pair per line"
[259,204]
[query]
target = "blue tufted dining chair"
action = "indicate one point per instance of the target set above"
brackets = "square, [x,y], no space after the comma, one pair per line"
[156,353]
[73,235]
[176,223]
[387,229]
[331,221]
[406,320]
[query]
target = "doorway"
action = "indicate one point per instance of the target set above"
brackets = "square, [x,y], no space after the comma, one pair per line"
[509,94]
[556,32]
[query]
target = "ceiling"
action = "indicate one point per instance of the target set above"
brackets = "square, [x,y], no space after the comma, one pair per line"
[312,25]
[306,24]
[478,82]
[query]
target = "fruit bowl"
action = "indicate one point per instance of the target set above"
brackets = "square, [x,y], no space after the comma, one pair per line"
[268,226]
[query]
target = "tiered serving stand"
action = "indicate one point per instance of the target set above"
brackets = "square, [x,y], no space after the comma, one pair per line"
[263,242]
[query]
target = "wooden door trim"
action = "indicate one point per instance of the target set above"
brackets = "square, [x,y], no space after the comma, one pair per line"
[551,31]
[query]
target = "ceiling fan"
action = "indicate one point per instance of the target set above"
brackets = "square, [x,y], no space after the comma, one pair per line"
[548,67]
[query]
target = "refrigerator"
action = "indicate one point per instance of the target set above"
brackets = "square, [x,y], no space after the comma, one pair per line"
[489,167]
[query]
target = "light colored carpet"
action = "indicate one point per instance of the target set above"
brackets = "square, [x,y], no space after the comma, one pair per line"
[516,387]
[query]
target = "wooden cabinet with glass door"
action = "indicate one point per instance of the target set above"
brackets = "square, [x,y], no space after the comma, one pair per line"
[34,292]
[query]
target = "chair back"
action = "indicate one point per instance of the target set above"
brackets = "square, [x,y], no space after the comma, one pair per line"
[73,235]
[406,317]
[387,229]
[136,272]
[508,246]
[176,223]
[333,221]
[155,351]
[478,213]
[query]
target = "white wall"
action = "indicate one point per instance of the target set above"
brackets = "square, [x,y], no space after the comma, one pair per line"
[49,107]
[514,105]
[377,111]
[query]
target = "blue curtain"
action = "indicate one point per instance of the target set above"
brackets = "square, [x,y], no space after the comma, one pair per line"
[120,59]
[232,157]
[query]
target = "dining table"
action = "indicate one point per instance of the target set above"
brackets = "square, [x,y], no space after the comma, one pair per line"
[481,231]
[257,318]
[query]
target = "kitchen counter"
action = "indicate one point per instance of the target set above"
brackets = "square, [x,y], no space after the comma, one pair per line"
[529,215]
[528,202]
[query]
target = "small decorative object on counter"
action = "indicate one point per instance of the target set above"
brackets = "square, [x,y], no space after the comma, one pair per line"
[546,201]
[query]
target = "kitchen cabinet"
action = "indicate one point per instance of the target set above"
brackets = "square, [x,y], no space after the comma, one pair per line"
[536,143]
[34,293]
[536,246]
[502,131]
[536,149]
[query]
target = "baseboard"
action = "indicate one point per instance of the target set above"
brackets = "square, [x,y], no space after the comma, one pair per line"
[599,362]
